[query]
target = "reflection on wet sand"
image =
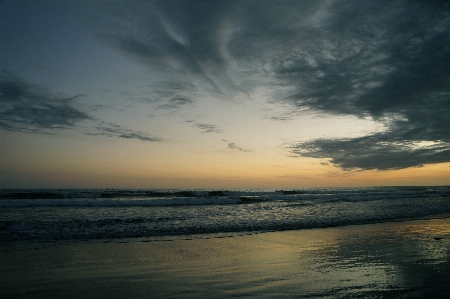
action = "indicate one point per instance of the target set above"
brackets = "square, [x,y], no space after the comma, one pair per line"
[390,260]
[409,259]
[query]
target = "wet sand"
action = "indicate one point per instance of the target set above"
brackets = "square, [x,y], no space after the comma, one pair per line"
[390,260]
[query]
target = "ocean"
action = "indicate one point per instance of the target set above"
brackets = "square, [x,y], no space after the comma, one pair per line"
[112,214]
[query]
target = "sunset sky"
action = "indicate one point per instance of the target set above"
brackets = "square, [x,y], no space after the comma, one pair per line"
[224,94]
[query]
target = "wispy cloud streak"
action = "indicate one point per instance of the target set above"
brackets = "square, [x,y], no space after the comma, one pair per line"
[208,128]
[31,108]
[112,130]
[233,146]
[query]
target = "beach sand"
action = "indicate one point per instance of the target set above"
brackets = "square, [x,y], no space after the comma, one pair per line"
[389,260]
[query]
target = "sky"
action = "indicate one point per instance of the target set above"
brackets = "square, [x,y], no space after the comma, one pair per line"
[224,94]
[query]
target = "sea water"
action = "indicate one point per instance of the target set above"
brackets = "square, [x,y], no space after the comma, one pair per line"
[129,213]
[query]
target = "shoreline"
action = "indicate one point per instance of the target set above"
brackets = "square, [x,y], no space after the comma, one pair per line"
[409,259]
[200,236]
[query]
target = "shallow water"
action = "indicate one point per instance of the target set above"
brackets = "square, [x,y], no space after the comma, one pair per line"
[118,214]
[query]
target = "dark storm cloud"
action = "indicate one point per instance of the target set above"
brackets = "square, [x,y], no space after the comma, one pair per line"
[31,108]
[374,59]
[378,151]
[384,60]
[394,67]
[416,135]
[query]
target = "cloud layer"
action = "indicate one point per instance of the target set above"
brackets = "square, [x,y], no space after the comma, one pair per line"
[380,59]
